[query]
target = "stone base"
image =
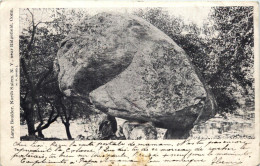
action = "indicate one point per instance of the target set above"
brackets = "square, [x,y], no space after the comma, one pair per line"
[139,131]
[177,134]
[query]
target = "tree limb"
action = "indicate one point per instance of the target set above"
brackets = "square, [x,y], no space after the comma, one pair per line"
[23,65]
[44,77]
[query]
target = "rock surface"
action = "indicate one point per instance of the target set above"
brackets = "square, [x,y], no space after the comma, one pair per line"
[138,131]
[129,69]
[96,51]
[99,126]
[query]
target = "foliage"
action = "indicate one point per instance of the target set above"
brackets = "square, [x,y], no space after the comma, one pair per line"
[234,47]
[39,43]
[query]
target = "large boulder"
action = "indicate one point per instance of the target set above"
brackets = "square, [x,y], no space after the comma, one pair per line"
[130,69]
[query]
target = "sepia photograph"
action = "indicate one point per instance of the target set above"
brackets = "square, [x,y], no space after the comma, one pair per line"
[144,73]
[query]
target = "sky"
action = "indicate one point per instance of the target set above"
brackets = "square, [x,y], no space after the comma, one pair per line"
[196,15]
[193,14]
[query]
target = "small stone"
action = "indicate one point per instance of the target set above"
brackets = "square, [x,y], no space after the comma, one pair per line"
[99,126]
[139,131]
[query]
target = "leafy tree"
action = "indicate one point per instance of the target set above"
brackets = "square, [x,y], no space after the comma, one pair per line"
[234,48]
[42,30]
[36,69]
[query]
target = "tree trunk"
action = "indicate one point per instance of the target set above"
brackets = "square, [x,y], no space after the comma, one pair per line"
[67,126]
[30,121]
[40,133]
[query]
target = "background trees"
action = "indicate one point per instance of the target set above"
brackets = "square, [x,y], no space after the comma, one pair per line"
[40,99]
[36,69]
[233,45]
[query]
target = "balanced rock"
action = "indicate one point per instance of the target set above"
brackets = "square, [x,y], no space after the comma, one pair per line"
[130,69]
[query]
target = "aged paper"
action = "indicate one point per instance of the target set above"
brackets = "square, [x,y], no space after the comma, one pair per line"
[54,113]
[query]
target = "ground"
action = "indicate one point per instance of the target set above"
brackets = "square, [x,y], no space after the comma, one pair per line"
[238,125]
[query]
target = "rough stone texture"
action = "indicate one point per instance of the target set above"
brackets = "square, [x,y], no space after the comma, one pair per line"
[96,51]
[99,126]
[119,132]
[130,69]
[138,131]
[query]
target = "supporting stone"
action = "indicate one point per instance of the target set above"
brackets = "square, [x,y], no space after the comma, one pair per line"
[177,134]
[139,131]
